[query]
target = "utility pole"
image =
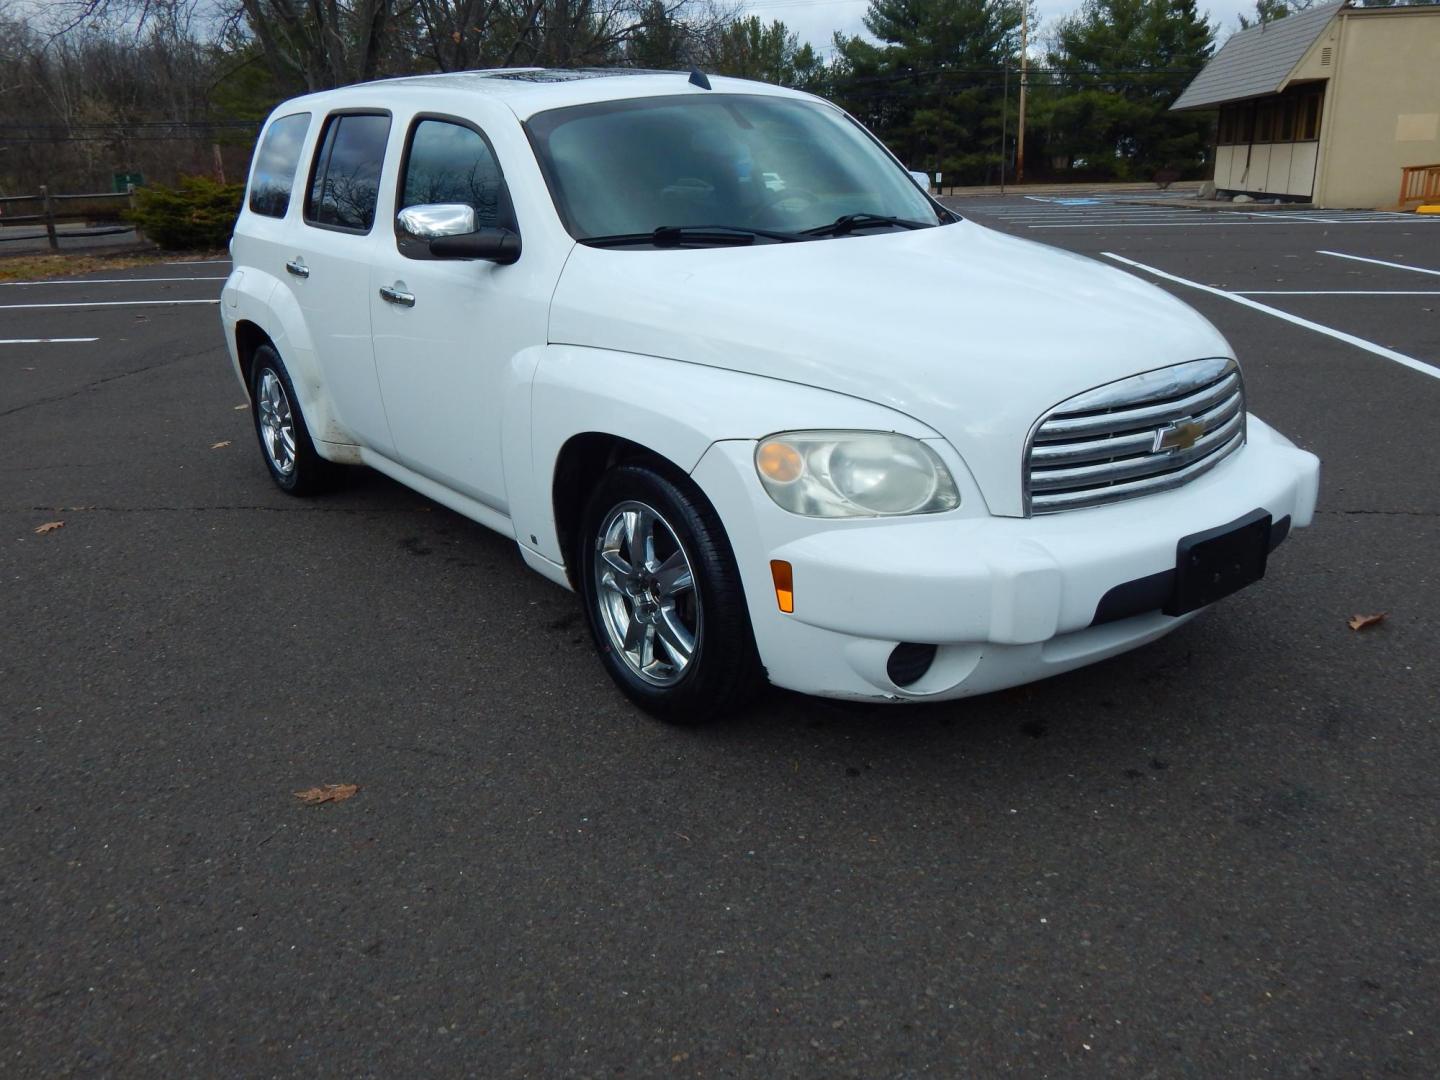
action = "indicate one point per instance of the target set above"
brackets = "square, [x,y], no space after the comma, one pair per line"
[1024,64]
[1004,122]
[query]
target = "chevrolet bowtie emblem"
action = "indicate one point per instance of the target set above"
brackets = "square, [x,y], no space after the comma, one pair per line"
[1178,436]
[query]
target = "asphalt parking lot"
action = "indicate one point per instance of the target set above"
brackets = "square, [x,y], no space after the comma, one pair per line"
[1213,857]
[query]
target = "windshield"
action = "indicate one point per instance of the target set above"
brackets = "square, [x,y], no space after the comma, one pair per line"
[738,161]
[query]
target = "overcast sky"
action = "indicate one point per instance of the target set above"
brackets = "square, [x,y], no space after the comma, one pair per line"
[815,20]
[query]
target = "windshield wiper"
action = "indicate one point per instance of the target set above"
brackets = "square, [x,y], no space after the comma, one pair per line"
[667,236]
[848,223]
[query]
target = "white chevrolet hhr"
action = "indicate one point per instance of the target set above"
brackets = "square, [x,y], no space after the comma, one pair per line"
[717,362]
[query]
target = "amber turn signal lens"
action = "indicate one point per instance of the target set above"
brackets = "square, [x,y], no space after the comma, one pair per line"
[780,462]
[784,585]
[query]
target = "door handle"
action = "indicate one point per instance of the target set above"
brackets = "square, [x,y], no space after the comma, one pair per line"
[397,296]
[298,268]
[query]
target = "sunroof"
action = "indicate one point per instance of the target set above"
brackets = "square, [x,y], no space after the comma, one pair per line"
[554,75]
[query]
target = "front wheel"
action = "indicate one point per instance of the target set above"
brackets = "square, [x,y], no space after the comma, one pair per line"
[663,597]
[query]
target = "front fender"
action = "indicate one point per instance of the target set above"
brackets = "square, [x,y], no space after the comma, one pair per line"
[675,409]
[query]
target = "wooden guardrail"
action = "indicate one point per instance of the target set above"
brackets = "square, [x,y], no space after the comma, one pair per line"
[47,209]
[1419,184]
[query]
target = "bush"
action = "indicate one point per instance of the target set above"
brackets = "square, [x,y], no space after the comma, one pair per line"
[198,214]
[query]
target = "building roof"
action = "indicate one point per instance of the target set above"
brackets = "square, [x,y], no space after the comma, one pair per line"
[1257,61]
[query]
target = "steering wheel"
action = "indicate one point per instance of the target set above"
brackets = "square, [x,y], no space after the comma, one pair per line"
[809,198]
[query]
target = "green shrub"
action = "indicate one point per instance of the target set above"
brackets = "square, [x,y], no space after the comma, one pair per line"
[198,214]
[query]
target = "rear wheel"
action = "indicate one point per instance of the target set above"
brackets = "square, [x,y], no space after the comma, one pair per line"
[663,597]
[285,441]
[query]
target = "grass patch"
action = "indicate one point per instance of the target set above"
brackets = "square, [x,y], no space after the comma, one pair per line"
[40,267]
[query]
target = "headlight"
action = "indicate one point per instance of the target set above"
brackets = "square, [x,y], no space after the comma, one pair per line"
[854,474]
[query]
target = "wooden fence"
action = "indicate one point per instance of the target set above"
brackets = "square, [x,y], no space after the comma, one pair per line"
[1420,184]
[49,210]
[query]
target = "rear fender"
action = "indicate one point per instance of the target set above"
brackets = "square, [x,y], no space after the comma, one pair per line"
[251,295]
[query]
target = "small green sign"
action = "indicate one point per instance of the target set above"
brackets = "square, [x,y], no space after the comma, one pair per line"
[123,180]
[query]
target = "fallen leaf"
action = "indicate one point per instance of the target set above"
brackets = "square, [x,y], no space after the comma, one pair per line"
[1359,622]
[327,793]
[220,445]
[49,526]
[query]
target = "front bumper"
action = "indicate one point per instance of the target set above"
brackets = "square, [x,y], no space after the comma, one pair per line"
[1007,600]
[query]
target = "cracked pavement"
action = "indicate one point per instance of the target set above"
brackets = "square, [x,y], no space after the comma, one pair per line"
[1216,856]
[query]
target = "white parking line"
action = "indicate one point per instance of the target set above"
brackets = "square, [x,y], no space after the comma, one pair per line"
[1104,215]
[107,303]
[108,281]
[1291,214]
[45,340]
[1336,292]
[1222,224]
[1380,262]
[1119,213]
[1339,335]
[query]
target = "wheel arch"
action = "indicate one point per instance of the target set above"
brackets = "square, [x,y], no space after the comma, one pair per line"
[249,336]
[583,459]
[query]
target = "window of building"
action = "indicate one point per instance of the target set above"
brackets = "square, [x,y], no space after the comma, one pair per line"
[1225,134]
[1291,117]
[1265,122]
[1286,131]
[275,163]
[345,178]
[1309,125]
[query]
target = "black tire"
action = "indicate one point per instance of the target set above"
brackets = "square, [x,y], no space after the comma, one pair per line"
[723,672]
[309,473]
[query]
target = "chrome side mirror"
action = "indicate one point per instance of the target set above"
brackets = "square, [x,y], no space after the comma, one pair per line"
[923,179]
[431,220]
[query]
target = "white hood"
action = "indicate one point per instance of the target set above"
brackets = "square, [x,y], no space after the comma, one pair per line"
[967,330]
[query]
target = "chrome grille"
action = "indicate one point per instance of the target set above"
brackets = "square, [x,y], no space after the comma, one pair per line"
[1144,434]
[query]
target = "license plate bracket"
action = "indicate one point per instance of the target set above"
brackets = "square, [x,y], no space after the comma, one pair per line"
[1213,564]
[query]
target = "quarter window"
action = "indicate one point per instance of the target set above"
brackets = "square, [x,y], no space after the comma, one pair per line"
[345,180]
[274,173]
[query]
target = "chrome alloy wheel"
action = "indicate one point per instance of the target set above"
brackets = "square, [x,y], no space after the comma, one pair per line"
[646,591]
[277,424]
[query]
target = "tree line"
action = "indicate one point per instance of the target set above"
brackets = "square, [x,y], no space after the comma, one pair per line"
[95,88]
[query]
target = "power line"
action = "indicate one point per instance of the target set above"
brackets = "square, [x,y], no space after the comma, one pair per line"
[136,131]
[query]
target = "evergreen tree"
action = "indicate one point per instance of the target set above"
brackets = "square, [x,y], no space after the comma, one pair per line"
[931,88]
[1122,63]
[749,49]
[1267,11]
[660,41]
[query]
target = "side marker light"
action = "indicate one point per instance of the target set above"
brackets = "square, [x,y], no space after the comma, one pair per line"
[784,584]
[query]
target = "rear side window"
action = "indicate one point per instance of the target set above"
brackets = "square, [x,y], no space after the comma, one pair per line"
[345,179]
[275,164]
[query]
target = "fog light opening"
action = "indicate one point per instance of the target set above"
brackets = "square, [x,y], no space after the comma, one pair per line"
[909,661]
[784,578]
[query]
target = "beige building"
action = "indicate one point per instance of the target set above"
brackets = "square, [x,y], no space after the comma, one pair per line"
[1328,105]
